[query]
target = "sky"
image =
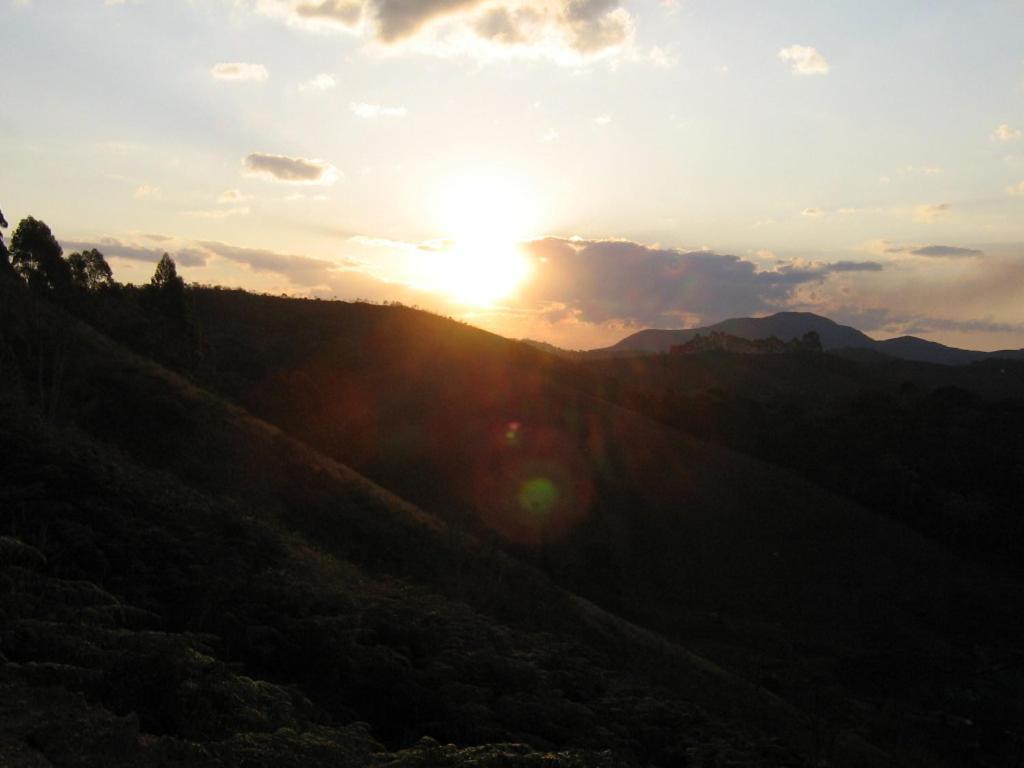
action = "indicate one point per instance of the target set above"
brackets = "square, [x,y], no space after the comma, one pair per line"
[564,170]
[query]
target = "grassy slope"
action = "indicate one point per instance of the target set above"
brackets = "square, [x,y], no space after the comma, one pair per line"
[197,518]
[849,616]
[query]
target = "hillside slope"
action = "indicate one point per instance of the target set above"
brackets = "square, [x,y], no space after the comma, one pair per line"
[188,585]
[763,572]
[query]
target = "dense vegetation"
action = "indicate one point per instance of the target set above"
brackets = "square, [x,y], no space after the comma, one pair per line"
[194,571]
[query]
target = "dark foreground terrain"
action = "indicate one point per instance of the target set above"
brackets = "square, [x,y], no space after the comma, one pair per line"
[319,533]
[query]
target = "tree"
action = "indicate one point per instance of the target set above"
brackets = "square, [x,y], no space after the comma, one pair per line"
[90,271]
[5,262]
[166,290]
[37,256]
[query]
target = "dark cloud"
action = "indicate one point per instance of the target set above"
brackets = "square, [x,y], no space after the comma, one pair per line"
[301,270]
[290,169]
[111,247]
[945,251]
[594,25]
[612,280]
[399,19]
[584,26]
[935,251]
[500,25]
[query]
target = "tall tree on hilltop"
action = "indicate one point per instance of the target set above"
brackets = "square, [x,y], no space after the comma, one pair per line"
[90,271]
[166,290]
[38,257]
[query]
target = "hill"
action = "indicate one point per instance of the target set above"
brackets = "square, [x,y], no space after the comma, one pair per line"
[189,585]
[793,325]
[576,577]
[738,560]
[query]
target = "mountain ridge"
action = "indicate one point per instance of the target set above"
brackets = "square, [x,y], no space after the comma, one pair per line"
[786,325]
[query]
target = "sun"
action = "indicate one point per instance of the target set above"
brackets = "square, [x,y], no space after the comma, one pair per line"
[484,217]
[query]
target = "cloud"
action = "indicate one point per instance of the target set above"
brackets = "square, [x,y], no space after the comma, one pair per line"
[322,82]
[557,29]
[804,60]
[296,170]
[932,212]
[1016,189]
[239,71]
[602,281]
[233,196]
[112,247]
[934,251]
[1005,133]
[812,213]
[343,13]
[305,271]
[146,192]
[603,119]
[370,111]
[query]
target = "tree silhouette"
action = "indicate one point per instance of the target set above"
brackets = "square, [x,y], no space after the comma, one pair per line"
[5,261]
[90,271]
[37,256]
[166,290]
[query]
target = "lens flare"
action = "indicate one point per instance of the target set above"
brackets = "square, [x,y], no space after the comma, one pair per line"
[538,496]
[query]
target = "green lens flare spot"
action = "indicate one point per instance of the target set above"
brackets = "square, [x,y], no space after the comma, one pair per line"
[538,496]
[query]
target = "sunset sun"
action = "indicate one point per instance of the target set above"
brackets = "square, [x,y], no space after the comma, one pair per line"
[484,218]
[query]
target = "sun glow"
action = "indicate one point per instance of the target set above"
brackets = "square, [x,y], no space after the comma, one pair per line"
[484,218]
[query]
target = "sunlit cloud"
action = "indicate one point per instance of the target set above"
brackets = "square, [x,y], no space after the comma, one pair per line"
[804,60]
[1016,189]
[932,212]
[296,170]
[239,71]
[321,82]
[146,192]
[370,111]
[812,213]
[1006,133]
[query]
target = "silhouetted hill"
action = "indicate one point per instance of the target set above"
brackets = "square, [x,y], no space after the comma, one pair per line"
[782,325]
[792,325]
[727,555]
[577,576]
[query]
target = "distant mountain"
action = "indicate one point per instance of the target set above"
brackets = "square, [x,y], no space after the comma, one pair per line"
[791,325]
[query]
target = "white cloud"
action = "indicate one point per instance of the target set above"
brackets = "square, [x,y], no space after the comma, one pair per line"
[932,212]
[322,82]
[662,58]
[804,60]
[602,119]
[812,213]
[362,109]
[146,192]
[239,71]
[1016,189]
[1005,133]
[296,170]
